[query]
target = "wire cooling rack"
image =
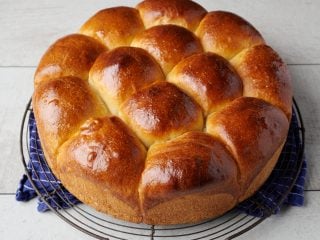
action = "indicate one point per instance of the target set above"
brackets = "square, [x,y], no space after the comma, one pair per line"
[101,226]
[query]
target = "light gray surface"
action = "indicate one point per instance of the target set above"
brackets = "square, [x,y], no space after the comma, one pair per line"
[28,27]
[18,218]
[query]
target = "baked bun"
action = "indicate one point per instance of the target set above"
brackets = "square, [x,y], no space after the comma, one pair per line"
[183,13]
[209,78]
[164,113]
[168,44]
[123,24]
[72,55]
[227,34]
[194,170]
[119,73]
[247,125]
[92,160]
[265,76]
[161,112]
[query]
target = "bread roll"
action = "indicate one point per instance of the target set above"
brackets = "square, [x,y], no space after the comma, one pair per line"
[183,13]
[60,106]
[227,34]
[97,155]
[253,130]
[209,79]
[119,73]
[114,27]
[161,112]
[72,55]
[265,76]
[193,170]
[168,44]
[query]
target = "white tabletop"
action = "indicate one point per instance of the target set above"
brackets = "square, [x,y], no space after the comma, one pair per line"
[28,27]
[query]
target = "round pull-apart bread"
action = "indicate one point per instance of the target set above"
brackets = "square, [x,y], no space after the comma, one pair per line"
[164,113]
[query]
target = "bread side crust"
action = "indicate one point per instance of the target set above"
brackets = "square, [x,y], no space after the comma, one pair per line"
[263,175]
[200,207]
[100,199]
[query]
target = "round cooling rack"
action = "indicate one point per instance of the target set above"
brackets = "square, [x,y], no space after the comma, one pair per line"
[101,226]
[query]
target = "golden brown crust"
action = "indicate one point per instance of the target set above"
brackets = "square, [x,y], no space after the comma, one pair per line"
[100,198]
[72,55]
[161,112]
[190,209]
[114,27]
[184,13]
[192,163]
[265,76]
[119,73]
[168,44]
[60,107]
[227,34]
[188,175]
[101,152]
[253,130]
[263,175]
[209,79]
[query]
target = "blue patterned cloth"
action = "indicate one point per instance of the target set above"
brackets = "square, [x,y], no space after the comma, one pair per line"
[263,203]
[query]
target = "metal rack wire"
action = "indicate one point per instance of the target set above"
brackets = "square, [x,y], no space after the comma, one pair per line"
[101,226]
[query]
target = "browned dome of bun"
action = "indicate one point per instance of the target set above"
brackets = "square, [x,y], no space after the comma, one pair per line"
[168,44]
[161,111]
[72,55]
[183,13]
[209,78]
[119,73]
[227,34]
[164,113]
[123,23]
[193,170]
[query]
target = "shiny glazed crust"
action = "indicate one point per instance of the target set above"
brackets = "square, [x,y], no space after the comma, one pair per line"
[164,113]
